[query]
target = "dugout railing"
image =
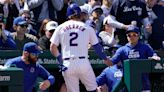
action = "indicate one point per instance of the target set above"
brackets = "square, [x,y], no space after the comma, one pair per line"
[50,63]
[133,69]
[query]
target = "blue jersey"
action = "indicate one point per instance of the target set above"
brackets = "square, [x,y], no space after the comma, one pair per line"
[140,51]
[110,76]
[31,72]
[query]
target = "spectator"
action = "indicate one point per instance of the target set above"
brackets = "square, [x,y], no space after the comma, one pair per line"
[44,41]
[106,7]
[134,49]
[84,15]
[42,28]
[96,16]
[21,36]
[11,11]
[27,16]
[44,9]
[32,69]
[6,41]
[62,13]
[151,17]
[157,36]
[107,39]
[89,6]
[107,35]
[79,2]
[123,12]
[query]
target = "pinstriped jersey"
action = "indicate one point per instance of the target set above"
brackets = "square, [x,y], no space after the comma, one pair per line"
[74,37]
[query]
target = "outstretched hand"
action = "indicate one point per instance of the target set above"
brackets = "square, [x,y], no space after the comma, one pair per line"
[44,85]
[108,62]
[155,58]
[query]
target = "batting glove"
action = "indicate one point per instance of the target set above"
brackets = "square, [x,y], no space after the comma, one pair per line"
[62,68]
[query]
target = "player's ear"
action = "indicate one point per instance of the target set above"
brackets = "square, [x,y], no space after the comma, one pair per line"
[25,53]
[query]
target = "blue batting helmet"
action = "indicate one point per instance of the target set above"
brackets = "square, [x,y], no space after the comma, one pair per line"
[73,9]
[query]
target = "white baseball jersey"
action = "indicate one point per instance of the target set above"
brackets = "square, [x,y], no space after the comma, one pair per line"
[74,37]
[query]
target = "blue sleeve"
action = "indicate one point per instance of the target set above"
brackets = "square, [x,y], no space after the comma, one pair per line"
[101,79]
[9,62]
[43,73]
[99,51]
[117,56]
[150,51]
[59,59]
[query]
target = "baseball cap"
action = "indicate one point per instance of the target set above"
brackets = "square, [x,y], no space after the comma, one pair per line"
[83,10]
[133,29]
[98,9]
[73,9]
[105,21]
[32,47]
[20,21]
[51,25]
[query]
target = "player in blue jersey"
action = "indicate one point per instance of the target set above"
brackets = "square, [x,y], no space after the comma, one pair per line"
[110,76]
[32,70]
[134,49]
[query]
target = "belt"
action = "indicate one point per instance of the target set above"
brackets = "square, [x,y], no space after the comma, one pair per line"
[82,57]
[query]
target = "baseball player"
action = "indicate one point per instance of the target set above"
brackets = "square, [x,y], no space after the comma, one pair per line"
[134,49]
[74,37]
[110,76]
[32,70]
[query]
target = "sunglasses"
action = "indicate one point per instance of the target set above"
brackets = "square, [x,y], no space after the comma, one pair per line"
[27,17]
[23,26]
[35,54]
[132,35]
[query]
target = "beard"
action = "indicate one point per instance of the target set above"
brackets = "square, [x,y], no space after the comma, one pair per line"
[32,60]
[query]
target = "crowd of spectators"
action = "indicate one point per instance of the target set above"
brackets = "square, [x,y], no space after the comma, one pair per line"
[37,13]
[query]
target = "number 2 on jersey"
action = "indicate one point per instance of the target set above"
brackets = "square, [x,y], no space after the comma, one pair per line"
[73,36]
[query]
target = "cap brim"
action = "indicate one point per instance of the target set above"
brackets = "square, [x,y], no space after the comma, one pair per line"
[131,31]
[22,23]
[52,28]
[38,52]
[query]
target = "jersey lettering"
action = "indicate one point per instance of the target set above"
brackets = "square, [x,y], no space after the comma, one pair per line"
[73,36]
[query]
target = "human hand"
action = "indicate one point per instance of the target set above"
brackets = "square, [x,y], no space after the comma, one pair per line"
[108,62]
[155,57]
[99,89]
[62,68]
[148,28]
[128,27]
[44,85]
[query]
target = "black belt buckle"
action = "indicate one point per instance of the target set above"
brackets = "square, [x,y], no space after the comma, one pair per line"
[82,57]
[66,58]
